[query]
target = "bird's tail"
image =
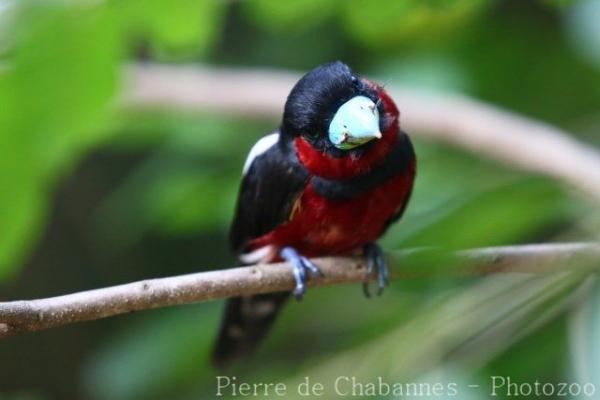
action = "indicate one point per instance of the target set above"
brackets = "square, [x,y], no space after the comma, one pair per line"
[245,322]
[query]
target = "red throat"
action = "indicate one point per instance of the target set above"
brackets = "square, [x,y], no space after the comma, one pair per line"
[326,166]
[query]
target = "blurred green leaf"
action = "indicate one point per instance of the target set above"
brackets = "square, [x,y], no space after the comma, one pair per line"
[461,201]
[499,216]
[433,71]
[51,113]
[470,326]
[583,27]
[561,3]
[173,27]
[180,202]
[380,23]
[540,356]
[24,395]
[499,47]
[297,15]
[155,356]
[187,184]
[584,328]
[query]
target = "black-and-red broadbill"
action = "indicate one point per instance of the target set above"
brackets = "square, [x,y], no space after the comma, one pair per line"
[330,181]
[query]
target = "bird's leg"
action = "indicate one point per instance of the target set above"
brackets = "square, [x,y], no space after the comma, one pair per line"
[301,266]
[375,261]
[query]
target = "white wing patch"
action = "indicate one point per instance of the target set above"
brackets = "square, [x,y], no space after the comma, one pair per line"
[262,254]
[264,144]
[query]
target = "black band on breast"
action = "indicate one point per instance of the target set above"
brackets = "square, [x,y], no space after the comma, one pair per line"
[396,162]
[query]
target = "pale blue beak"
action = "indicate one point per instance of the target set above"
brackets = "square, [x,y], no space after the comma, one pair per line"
[356,122]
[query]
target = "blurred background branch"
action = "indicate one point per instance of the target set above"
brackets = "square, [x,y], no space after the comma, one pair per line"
[484,129]
[33,315]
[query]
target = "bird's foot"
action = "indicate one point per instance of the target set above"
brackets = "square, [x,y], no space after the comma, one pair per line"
[375,261]
[302,266]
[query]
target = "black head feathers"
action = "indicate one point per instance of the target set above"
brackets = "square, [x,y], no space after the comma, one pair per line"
[313,101]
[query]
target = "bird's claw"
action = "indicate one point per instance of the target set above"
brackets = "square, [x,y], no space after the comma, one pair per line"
[301,267]
[375,261]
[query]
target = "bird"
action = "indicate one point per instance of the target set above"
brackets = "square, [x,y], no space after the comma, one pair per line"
[330,181]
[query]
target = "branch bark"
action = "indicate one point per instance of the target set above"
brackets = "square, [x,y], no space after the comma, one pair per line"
[34,315]
[456,120]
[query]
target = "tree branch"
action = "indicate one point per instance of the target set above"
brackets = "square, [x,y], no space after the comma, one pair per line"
[34,315]
[457,120]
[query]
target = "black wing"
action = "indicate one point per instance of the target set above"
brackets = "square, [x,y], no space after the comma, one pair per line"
[270,187]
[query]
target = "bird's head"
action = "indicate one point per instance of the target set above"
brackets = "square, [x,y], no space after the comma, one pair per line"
[338,112]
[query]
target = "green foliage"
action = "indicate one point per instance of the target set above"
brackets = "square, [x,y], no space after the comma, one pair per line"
[377,23]
[155,357]
[584,327]
[61,76]
[48,102]
[284,16]
[495,217]
[171,28]
[405,20]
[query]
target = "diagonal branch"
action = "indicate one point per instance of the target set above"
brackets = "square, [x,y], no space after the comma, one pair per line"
[34,315]
[454,119]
